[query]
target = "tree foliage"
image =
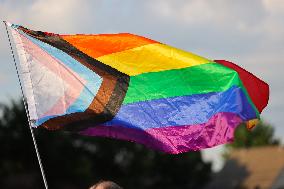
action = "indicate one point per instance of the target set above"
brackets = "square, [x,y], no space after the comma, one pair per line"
[261,135]
[74,161]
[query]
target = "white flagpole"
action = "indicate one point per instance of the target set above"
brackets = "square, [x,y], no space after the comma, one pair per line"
[27,111]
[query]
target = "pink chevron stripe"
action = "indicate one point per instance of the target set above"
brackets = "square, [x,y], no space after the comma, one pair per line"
[176,139]
[49,62]
[68,76]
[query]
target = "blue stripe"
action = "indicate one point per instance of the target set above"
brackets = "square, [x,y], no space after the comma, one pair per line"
[90,89]
[183,110]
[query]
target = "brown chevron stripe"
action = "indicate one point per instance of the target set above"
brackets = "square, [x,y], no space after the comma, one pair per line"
[109,97]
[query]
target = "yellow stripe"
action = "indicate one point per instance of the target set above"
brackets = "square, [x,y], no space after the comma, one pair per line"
[151,58]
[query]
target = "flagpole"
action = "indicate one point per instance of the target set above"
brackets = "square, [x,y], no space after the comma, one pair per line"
[27,111]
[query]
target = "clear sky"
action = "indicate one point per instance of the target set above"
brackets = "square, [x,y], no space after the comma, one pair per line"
[249,33]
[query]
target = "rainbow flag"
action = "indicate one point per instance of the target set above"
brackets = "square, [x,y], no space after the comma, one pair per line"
[129,87]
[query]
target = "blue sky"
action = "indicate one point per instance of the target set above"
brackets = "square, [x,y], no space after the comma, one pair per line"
[249,34]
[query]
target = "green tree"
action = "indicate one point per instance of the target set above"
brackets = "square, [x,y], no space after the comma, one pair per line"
[261,135]
[73,161]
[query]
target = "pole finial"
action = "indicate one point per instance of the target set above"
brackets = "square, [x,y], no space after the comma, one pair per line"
[7,23]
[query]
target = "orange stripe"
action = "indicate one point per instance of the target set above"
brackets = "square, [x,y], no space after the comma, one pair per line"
[103,44]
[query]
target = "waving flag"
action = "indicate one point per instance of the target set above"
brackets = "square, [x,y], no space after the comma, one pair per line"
[129,87]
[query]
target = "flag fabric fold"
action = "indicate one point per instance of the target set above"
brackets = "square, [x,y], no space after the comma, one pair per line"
[129,87]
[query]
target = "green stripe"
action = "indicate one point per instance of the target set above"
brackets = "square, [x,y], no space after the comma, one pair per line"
[205,78]
[249,99]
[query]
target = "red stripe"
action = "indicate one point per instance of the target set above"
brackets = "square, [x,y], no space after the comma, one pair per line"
[258,90]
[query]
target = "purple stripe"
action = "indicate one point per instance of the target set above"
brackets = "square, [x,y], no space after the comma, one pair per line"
[176,139]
